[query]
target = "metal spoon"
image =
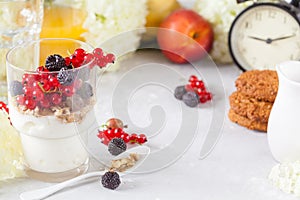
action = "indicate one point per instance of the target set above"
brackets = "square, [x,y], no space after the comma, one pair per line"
[38,194]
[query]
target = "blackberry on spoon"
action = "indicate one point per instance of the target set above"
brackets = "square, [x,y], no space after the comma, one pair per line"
[117,146]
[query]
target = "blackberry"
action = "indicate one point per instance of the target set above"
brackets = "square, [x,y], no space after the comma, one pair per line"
[16,88]
[116,146]
[65,77]
[179,92]
[111,180]
[191,99]
[85,91]
[55,62]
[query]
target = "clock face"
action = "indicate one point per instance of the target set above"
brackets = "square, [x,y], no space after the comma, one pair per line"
[263,36]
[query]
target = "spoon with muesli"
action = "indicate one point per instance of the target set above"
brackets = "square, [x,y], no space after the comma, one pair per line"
[123,164]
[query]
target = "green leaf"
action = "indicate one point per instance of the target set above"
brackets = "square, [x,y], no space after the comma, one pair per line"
[100,17]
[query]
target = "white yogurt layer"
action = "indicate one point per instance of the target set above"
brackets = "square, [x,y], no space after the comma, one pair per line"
[50,145]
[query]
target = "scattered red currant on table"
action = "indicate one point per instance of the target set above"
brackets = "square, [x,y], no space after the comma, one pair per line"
[4,107]
[114,129]
[193,93]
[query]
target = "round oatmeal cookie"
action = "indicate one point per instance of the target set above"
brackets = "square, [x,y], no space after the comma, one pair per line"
[250,107]
[244,121]
[259,84]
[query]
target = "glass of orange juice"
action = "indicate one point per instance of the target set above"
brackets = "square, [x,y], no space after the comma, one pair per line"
[63,19]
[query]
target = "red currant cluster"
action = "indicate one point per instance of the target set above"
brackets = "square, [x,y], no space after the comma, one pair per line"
[53,83]
[108,134]
[44,90]
[199,87]
[4,107]
[101,59]
[114,129]
[80,57]
[193,93]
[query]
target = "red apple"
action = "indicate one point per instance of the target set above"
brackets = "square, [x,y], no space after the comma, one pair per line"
[185,36]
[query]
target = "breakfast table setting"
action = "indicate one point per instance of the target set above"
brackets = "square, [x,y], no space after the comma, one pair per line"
[193,99]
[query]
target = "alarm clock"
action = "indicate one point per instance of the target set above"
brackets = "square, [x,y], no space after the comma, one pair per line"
[265,34]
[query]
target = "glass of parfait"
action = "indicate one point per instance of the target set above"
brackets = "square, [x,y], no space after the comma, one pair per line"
[51,95]
[20,21]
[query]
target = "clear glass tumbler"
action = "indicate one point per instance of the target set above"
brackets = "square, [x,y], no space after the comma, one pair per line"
[52,117]
[20,21]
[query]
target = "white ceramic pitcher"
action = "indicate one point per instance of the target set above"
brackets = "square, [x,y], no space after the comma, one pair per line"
[284,121]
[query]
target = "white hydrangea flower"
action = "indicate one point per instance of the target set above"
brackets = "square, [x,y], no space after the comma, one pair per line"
[11,154]
[221,15]
[286,177]
[106,19]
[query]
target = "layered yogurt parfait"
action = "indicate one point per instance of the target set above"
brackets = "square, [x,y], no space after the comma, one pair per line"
[51,105]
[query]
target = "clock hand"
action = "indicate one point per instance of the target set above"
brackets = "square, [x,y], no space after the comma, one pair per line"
[256,38]
[284,37]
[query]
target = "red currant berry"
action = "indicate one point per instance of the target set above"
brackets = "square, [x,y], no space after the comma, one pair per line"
[36,84]
[105,140]
[68,90]
[201,93]
[20,99]
[30,104]
[55,98]
[98,53]
[67,61]
[198,84]
[29,79]
[142,139]
[133,138]
[208,96]
[40,69]
[202,99]
[193,85]
[79,52]
[110,58]
[37,95]
[101,62]
[118,132]
[101,135]
[44,74]
[77,61]
[54,83]
[193,78]
[198,91]
[88,58]
[109,133]
[3,106]
[28,92]
[45,85]
[125,137]
[45,103]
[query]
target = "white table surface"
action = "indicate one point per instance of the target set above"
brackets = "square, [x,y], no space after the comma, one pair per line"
[236,169]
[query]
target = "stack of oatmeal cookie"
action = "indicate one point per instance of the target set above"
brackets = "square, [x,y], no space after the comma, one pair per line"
[251,104]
